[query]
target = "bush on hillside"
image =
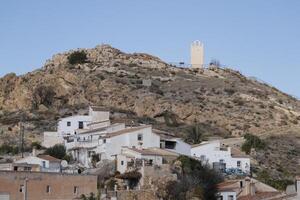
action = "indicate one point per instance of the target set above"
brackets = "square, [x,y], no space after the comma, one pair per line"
[43,94]
[57,151]
[252,141]
[9,149]
[77,57]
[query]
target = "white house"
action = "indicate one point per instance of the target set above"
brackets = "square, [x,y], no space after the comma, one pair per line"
[108,144]
[134,159]
[221,158]
[170,142]
[69,126]
[47,163]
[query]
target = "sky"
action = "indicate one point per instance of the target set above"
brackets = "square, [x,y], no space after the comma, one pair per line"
[258,38]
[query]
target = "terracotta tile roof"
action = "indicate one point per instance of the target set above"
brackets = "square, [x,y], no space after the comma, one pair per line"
[49,158]
[261,195]
[126,130]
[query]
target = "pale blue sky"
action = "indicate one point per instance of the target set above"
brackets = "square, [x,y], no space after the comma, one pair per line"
[258,37]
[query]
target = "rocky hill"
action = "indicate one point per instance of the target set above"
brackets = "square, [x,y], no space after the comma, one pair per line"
[144,89]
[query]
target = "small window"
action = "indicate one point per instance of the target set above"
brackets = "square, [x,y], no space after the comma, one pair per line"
[104,140]
[75,191]
[238,163]
[80,125]
[44,164]
[15,168]
[122,162]
[221,161]
[48,189]
[27,168]
[230,197]
[68,123]
[21,188]
[140,137]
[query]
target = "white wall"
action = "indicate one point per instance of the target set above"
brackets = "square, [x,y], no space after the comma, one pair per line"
[226,195]
[34,160]
[98,115]
[64,129]
[212,153]
[182,147]
[114,144]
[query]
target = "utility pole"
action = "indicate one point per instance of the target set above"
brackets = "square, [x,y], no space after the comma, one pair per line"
[21,127]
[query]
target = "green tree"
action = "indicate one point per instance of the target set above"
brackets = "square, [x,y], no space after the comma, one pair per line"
[57,151]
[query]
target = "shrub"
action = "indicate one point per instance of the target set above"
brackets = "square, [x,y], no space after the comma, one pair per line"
[252,141]
[57,151]
[36,145]
[77,57]
[9,149]
[43,94]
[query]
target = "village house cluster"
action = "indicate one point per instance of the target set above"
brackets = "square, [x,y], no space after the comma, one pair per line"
[93,139]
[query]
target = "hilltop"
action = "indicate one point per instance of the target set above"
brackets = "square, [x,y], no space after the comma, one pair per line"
[141,88]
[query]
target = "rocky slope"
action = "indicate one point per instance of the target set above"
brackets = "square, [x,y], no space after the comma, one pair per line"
[142,88]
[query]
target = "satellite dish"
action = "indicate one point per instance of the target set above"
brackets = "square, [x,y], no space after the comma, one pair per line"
[64,163]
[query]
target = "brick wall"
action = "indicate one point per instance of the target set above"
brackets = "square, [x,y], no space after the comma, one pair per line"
[61,185]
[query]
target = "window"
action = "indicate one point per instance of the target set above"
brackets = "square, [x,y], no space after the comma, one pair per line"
[140,137]
[48,189]
[238,163]
[75,191]
[44,164]
[68,123]
[80,125]
[21,188]
[122,162]
[27,168]
[104,140]
[230,197]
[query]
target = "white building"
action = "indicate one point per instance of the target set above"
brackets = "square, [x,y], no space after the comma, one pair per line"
[71,125]
[46,163]
[169,142]
[108,143]
[131,159]
[221,158]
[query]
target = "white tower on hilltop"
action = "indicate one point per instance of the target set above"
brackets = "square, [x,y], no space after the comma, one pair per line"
[197,54]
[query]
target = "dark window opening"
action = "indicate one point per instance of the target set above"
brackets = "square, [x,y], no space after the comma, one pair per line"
[75,190]
[140,137]
[170,144]
[80,125]
[68,123]
[122,162]
[48,189]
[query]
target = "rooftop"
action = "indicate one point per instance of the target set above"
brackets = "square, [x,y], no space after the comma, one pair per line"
[154,151]
[126,130]
[49,158]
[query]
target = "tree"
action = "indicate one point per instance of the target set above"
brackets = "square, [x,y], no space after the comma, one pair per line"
[252,141]
[57,151]
[195,180]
